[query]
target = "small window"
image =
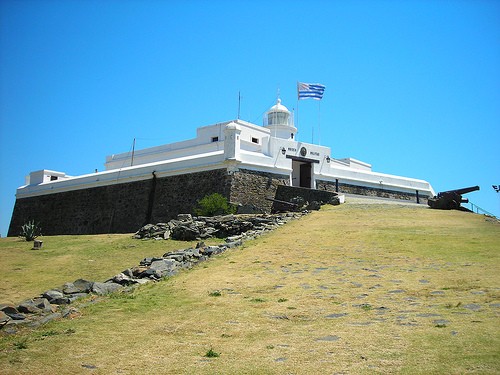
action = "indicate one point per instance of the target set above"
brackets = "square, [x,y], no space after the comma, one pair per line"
[215,139]
[53,178]
[255,140]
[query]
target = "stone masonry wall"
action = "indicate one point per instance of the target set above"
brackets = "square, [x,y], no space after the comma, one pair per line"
[119,208]
[252,188]
[286,193]
[368,191]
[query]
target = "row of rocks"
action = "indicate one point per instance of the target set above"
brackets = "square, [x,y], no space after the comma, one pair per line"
[54,303]
[187,228]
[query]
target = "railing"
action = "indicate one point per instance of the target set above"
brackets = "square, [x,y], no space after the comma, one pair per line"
[475,208]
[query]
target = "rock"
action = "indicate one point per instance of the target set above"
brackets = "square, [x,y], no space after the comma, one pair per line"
[136,271]
[184,217]
[52,295]
[335,201]
[28,307]
[166,265]
[123,279]
[49,318]
[83,286]
[69,288]
[4,318]
[68,311]
[105,288]
[61,301]
[128,272]
[73,297]
[313,206]
[43,304]
[17,316]
[8,308]
[185,233]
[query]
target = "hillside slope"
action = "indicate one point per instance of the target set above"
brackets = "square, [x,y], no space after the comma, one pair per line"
[352,289]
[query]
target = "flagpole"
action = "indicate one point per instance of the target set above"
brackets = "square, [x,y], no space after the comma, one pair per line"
[297,111]
[319,122]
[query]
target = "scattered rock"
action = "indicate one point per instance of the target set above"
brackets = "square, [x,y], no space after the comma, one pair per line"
[105,288]
[237,229]
[328,338]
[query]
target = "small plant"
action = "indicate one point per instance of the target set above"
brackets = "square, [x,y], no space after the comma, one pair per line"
[282,300]
[366,307]
[270,347]
[440,325]
[214,204]
[211,354]
[291,308]
[21,344]
[257,300]
[30,231]
[215,293]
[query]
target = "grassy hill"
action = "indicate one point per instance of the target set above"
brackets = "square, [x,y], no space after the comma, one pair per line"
[352,289]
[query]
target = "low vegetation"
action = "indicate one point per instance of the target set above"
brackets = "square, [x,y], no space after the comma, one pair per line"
[30,231]
[356,289]
[214,204]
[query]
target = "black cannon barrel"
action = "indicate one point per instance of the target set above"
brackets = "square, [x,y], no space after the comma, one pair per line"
[461,191]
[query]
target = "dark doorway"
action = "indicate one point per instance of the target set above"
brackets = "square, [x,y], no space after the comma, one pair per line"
[305,175]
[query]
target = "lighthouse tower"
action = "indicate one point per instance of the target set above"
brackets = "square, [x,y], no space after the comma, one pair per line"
[278,121]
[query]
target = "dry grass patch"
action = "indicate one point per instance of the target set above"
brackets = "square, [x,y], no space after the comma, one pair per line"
[351,289]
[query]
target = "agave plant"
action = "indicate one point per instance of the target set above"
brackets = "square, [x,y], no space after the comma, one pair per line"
[30,230]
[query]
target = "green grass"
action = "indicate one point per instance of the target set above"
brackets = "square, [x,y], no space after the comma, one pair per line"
[330,263]
[27,273]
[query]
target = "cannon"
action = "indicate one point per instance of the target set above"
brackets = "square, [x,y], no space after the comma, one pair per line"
[451,199]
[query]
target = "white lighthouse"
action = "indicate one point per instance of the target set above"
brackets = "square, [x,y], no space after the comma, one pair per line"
[278,121]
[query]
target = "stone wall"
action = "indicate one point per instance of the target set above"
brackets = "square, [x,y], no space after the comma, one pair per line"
[286,193]
[119,208]
[125,207]
[252,188]
[369,191]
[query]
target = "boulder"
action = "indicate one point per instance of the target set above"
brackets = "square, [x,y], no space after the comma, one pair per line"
[184,217]
[69,288]
[105,288]
[313,206]
[4,318]
[28,307]
[8,308]
[185,233]
[43,304]
[164,265]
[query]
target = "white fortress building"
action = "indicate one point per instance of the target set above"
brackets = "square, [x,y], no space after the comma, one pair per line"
[240,160]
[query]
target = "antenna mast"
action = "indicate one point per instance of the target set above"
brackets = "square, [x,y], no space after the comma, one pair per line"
[239,103]
[133,150]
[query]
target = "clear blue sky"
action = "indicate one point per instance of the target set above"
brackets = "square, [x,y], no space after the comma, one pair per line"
[412,87]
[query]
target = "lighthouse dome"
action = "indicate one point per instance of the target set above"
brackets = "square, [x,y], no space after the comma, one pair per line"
[279,108]
[277,119]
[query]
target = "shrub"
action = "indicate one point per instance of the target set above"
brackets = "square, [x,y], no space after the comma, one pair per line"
[211,354]
[214,204]
[30,231]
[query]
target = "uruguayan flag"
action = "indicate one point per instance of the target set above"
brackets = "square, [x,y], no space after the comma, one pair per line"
[310,90]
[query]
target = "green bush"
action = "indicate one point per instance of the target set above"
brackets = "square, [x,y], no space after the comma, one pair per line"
[30,231]
[214,204]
